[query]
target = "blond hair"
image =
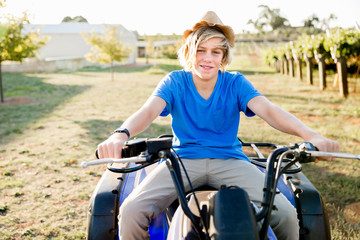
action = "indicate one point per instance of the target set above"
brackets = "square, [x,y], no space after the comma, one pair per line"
[187,52]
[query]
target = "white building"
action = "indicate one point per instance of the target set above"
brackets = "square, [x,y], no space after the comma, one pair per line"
[66,47]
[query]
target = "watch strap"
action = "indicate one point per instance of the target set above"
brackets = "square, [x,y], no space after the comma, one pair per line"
[122,130]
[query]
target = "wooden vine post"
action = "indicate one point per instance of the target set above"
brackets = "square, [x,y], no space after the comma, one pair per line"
[320,55]
[309,69]
[296,50]
[289,58]
[341,69]
[291,66]
[281,66]
[322,71]
[298,64]
[277,65]
[308,45]
[286,65]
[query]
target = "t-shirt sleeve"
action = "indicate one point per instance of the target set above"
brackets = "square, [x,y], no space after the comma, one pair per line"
[245,92]
[163,90]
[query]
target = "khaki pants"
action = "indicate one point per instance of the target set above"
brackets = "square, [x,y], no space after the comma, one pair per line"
[157,192]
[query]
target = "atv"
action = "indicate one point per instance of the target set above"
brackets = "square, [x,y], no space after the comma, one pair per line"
[205,212]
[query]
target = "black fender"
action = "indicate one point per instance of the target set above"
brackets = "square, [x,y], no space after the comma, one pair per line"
[313,219]
[104,207]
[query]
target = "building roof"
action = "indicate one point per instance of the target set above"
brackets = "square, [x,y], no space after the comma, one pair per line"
[156,43]
[69,28]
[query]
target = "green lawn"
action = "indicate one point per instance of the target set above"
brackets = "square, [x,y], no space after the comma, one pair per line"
[50,123]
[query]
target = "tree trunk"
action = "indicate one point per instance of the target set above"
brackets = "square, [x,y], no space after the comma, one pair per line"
[322,73]
[286,66]
[357,71]
[336,80]
[291,67]
[282,66]
[356,75]
[309,70]
[1,85]
[342,73]
[112,70]
[298,68]
[277,65]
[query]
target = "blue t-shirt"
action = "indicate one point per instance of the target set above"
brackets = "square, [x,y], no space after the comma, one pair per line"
[206,128]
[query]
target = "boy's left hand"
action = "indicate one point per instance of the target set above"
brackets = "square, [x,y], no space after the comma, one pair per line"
[324,144]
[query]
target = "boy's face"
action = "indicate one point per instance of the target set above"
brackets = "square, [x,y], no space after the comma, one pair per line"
[208,59]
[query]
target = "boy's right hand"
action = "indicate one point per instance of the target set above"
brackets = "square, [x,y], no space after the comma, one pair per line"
[112,147]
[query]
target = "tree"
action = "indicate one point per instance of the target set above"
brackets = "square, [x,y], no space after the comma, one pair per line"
[326,21]
[269,17]
[259,26]
[321,55]
[290,58]
[149,49]
[271,57]
[343,44]
[338,45]
[76,19]
[283,60]
[307,43]
[16,45]
[3,31]
[170,51]
[66,19]
[311,21]
[107,47]
[297,52]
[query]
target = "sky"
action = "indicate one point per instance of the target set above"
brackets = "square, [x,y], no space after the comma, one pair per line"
[174,16]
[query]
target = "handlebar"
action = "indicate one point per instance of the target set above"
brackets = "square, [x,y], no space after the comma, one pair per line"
[333,154]
[138,159]
[144,150]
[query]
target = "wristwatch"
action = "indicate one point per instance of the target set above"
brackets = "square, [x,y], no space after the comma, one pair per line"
[122,130]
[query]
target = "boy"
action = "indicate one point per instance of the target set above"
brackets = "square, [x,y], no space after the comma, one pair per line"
[205,101]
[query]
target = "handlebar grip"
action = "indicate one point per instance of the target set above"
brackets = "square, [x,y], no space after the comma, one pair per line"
[123,153]
[307,146]
[132,148]
[304,148]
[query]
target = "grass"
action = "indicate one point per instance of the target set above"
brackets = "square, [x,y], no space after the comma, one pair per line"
[50,123]
[29,97]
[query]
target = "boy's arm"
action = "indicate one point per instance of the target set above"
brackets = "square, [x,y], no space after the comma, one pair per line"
[135,124]
[288,123]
